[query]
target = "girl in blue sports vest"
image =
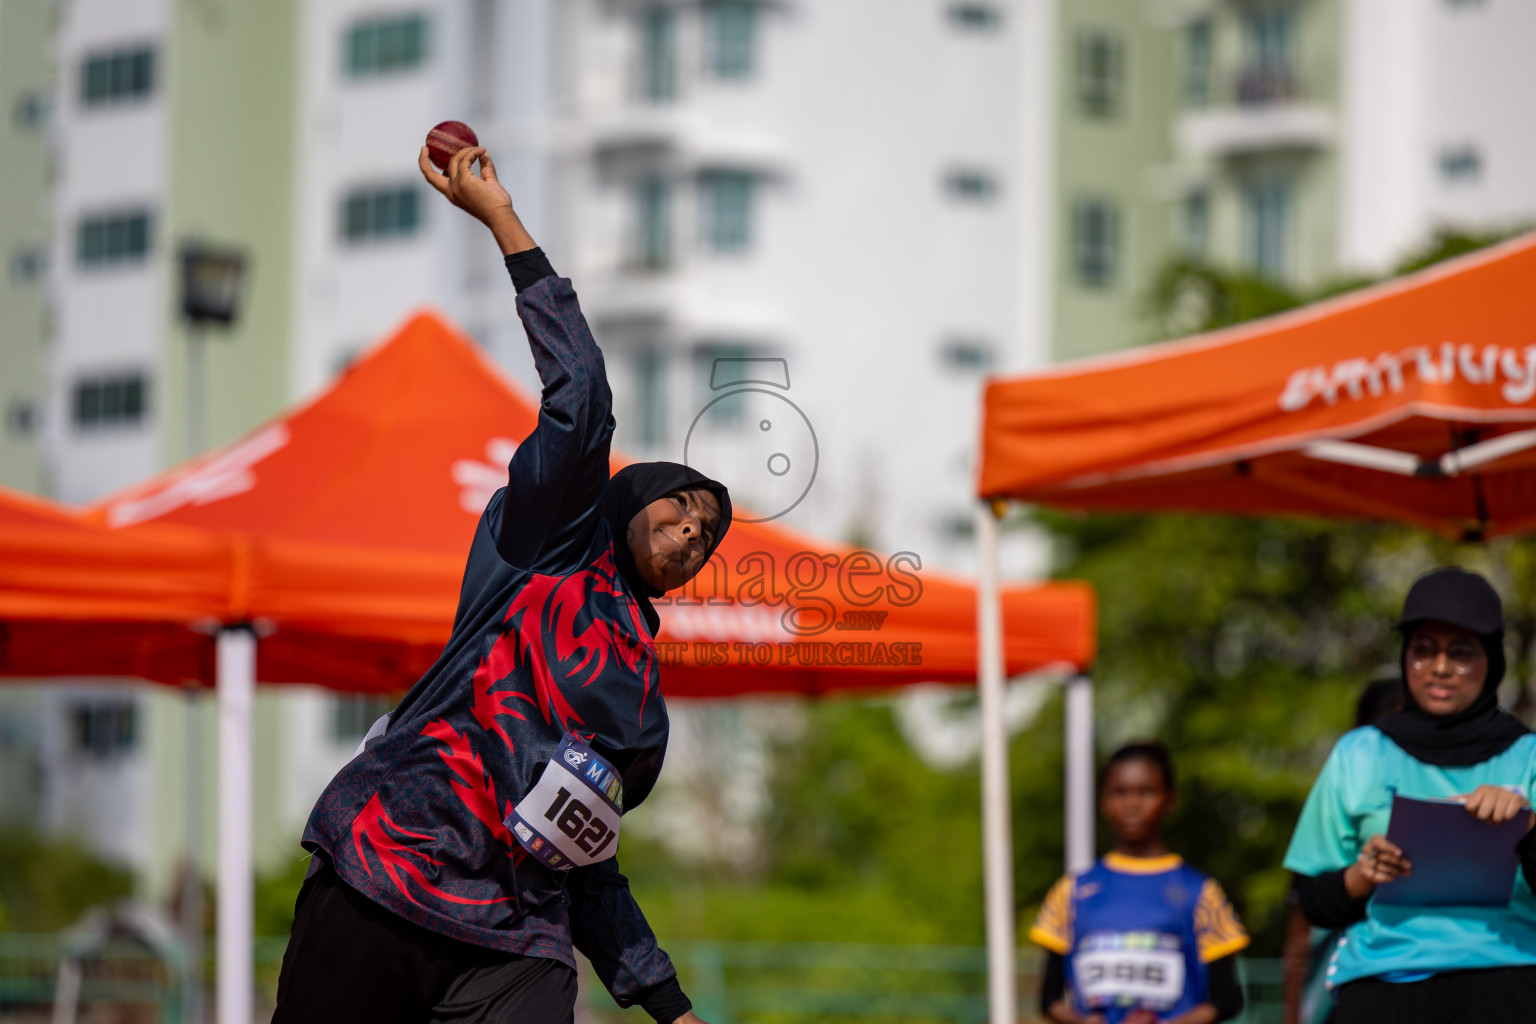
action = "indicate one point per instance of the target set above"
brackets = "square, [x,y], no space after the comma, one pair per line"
[1441,964]
[1141,937]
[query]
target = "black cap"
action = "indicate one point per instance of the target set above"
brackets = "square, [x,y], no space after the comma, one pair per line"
[1456,597]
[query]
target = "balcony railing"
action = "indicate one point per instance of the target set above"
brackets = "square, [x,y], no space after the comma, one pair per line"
[1265,84]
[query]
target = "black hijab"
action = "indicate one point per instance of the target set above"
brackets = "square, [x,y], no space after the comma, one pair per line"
[636,486]
[1483,730]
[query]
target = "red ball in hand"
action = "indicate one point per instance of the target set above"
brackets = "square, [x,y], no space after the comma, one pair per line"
[446,139]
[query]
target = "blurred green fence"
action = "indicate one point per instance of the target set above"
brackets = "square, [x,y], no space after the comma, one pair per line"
[833,983]
[729,982]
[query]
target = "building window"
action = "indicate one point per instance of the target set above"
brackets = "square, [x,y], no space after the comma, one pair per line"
[117,76]
[1266,76]
[730,31]
[726,210]
[1460,165]
[386,46]
[380,214]
[1195,230]
[967,355]
[104,729]
[21,418]
[713,366]
[955,527]
[28,264]
[658,55]
[653,224]
[1100,70]
[108,401]
[651,388]
[1197,63]
[31,110]
[1267,209]
[970,185]
[352,715]
[1095,242]
[975,17]
[113,239]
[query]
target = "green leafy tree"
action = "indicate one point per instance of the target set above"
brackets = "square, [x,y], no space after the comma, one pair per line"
[45,885]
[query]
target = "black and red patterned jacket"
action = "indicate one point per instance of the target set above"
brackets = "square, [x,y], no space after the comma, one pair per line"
[548,639]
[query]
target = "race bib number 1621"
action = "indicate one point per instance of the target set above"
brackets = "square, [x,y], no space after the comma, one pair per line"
[571,817]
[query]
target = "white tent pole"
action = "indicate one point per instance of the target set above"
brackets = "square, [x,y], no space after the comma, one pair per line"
[237,693]
[1079,757]
[997,838]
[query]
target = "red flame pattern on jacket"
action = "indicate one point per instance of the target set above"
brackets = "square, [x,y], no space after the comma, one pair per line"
[559,600]
[374,824]
[552,603]
[471,783]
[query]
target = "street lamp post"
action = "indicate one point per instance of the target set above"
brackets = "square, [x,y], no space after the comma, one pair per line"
[211,280]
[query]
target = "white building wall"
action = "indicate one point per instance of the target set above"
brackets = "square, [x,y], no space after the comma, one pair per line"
[862,265]
[1425,80]
[1480,88]
[110,318]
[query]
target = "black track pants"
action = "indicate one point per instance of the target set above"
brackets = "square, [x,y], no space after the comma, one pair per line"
[1500,995]
[349,960]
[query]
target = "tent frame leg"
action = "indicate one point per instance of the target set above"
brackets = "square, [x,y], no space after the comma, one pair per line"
[997,834]
[1080,801]
[236,659]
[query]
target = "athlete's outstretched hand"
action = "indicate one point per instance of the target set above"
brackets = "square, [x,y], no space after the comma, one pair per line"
[480,195]
[688,1018]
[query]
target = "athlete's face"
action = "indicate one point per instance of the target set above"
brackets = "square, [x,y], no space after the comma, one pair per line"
[1135,800]
[1446,667]
[668,537]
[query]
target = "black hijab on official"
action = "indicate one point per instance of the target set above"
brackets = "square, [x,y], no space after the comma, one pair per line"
[636,486]
[1466,600]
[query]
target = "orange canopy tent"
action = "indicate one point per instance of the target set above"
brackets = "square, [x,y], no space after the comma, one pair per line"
[350,519]
[1408,401]
[79,599]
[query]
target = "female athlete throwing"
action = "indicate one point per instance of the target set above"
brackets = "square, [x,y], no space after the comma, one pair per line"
[462,856]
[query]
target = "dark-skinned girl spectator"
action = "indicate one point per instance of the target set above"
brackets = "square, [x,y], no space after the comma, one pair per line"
[1141,937]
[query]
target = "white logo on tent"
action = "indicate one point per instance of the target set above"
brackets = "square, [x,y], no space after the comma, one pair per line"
[479,480]
[227,473]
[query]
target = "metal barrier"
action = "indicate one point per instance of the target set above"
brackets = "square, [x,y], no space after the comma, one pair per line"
[729,982]
[39,971]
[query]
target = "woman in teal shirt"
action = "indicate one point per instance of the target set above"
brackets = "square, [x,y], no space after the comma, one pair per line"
[1451,739]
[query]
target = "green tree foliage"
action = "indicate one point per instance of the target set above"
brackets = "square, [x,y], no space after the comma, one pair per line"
[45,885]
[863,843]
[276,892]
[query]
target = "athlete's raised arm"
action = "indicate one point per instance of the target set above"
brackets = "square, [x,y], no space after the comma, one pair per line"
[555,479]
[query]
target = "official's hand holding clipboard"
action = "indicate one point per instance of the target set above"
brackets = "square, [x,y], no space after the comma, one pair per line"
[1458,860]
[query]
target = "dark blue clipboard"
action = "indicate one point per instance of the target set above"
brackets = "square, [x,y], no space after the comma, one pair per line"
[1457,859]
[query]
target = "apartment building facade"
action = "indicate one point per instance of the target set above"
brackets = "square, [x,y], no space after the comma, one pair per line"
[1300,141]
